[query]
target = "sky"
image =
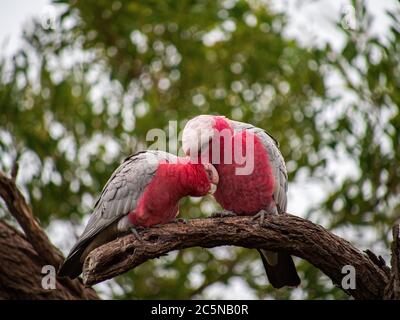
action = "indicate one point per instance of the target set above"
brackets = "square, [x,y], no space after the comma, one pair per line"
[309,21]
[14,14]
[313,22]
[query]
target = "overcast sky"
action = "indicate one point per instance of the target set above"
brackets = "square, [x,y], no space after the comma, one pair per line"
[309,20]
[13,15]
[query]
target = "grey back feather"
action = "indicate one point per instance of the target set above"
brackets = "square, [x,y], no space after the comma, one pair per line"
[276,160]
[121,193]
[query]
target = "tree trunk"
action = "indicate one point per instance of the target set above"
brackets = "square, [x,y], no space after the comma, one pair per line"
[22,256]
[21,271]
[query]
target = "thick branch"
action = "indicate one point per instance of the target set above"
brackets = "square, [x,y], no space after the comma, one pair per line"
[22,213]
[37,238]
[21,270]
[297,236]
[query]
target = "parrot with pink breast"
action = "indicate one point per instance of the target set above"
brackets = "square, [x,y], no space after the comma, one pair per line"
[252,177]
[143,191]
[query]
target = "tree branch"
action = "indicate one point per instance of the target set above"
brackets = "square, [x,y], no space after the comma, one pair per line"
[21,211]
[297,236]
[21,270]
[36,236]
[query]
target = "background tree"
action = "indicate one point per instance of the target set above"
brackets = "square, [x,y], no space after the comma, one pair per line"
[77,98]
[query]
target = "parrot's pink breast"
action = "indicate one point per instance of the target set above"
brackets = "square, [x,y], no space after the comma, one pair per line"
[159,202]
[249,193]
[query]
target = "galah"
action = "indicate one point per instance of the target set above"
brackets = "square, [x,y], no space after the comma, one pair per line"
[143,191]
[262,190]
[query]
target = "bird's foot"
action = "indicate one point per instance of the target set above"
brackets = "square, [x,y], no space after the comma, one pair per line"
[261,216]
[223,214]
[135,233]
[180,220]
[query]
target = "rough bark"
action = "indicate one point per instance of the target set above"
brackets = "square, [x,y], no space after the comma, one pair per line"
[23,256]
[21,211]
[298,236]
[21,270]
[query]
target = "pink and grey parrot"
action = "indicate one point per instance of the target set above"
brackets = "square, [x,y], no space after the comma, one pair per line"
[262,190]
[143,191]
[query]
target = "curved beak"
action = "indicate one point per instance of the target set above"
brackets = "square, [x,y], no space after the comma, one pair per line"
[213,188]
[213,177]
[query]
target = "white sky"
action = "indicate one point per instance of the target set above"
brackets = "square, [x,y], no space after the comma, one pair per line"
[13,15]
[309,20]
[313,22]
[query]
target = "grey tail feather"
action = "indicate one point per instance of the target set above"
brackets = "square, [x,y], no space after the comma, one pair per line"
[283,273]
[72,265]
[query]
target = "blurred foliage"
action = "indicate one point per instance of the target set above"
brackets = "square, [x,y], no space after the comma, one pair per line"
[77,98]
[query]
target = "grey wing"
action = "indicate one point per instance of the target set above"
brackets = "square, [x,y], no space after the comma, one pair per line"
[276,160]
[240,126]
[119,196]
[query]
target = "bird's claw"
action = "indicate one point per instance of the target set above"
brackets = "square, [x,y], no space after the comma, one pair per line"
[223,214]
[181,220]
[136,234]
[261,216]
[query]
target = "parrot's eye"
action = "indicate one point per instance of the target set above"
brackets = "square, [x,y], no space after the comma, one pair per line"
[209,174]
